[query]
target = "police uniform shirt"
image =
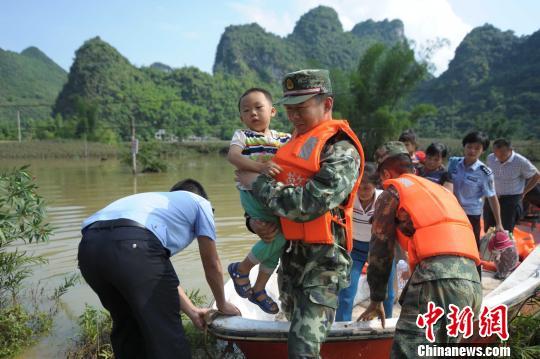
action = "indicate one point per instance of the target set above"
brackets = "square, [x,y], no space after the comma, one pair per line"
[471,184]
[176,218]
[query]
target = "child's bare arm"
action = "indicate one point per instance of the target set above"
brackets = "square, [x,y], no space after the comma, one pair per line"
[241,162]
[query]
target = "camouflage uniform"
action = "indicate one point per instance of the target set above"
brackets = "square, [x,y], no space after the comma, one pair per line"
[443,280]
[310,276]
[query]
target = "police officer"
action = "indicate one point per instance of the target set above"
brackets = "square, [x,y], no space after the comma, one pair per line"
[441,249]
[124,257]
[320,168]
[473,181]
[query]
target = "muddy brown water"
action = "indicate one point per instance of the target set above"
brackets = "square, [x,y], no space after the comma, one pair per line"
[73,190]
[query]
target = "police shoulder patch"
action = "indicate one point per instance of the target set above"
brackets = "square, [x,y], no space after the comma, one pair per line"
[486,170]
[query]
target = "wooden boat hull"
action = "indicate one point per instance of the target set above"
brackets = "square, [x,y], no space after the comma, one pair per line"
[374,348]
[261,336]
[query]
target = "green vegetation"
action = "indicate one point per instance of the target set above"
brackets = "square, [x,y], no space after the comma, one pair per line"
[318,40]
[524,333]
[384,77]
[72,149]
[28,78]
[77,149]
[93,341]
[22,218]
[492,84]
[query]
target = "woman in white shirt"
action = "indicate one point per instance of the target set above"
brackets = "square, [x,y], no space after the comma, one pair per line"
[364,206]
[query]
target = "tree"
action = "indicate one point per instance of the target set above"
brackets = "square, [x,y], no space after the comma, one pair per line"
[22,219]
[383,78]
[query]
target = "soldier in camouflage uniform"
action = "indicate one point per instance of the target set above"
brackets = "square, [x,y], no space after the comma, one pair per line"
[443,279]
[311,275]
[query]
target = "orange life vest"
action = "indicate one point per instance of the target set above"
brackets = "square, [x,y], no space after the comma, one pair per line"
[299,159]
[441,226]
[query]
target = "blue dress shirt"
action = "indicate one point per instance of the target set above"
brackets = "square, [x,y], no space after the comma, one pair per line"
[176,218]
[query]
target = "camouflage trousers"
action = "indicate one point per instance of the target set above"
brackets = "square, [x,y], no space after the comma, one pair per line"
[310,277]
[414,301]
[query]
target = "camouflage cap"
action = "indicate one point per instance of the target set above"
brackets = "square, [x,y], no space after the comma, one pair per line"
[389,149]
[302,85]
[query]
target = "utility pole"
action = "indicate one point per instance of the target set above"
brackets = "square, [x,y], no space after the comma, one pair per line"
[134,147]
[85,145]
[19,124]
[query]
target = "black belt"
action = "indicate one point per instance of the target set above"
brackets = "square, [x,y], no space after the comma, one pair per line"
[114,223]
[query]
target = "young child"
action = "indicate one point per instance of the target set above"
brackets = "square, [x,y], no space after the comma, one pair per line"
[364,206]
[433,168]
[252,149]
[506,256]
[408,137]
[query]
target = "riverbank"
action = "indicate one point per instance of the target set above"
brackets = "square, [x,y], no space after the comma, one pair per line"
[77,149]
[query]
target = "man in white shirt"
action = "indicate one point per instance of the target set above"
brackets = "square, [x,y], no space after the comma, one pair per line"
[514,177]
[124,257]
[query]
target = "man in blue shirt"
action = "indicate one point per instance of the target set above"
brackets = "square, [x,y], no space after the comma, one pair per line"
[473,181]
[124,257]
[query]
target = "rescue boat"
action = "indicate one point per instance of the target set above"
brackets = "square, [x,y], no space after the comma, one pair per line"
[264,336]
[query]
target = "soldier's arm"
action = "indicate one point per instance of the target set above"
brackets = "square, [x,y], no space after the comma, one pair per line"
[381,246]
[340,163]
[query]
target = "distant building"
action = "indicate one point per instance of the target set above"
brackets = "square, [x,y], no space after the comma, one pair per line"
[162,135]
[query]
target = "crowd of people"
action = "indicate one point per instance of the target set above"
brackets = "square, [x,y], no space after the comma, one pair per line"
[321,211]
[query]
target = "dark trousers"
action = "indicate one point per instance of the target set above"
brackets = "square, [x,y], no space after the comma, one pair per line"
[511,209]
[131,273]
[475,223]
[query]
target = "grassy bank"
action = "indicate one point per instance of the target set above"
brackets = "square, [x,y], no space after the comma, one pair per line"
[76,149]
[56,149]
[93,339]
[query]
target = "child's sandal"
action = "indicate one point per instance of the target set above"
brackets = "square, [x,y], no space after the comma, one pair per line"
[243,290]
[267,304]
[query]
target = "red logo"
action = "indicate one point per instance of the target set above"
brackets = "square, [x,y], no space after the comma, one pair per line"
[460,321]
[491,321]
[494,321]
[429,319]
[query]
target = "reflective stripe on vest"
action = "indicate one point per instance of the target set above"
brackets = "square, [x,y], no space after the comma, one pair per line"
[300,160]
[441,226]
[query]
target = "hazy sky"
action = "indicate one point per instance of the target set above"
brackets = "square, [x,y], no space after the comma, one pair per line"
[180,33]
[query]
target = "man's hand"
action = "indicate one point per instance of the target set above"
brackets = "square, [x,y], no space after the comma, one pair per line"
[197,317]
[265,230]
[374,309]
[499,228]
[270,168]
[246,178]
[229,309]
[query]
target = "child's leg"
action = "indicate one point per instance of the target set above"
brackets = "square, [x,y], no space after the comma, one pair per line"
[267,254]
[388,303]
[261,251]
[346,295]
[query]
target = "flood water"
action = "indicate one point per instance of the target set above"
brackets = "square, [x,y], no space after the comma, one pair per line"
[74,189]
